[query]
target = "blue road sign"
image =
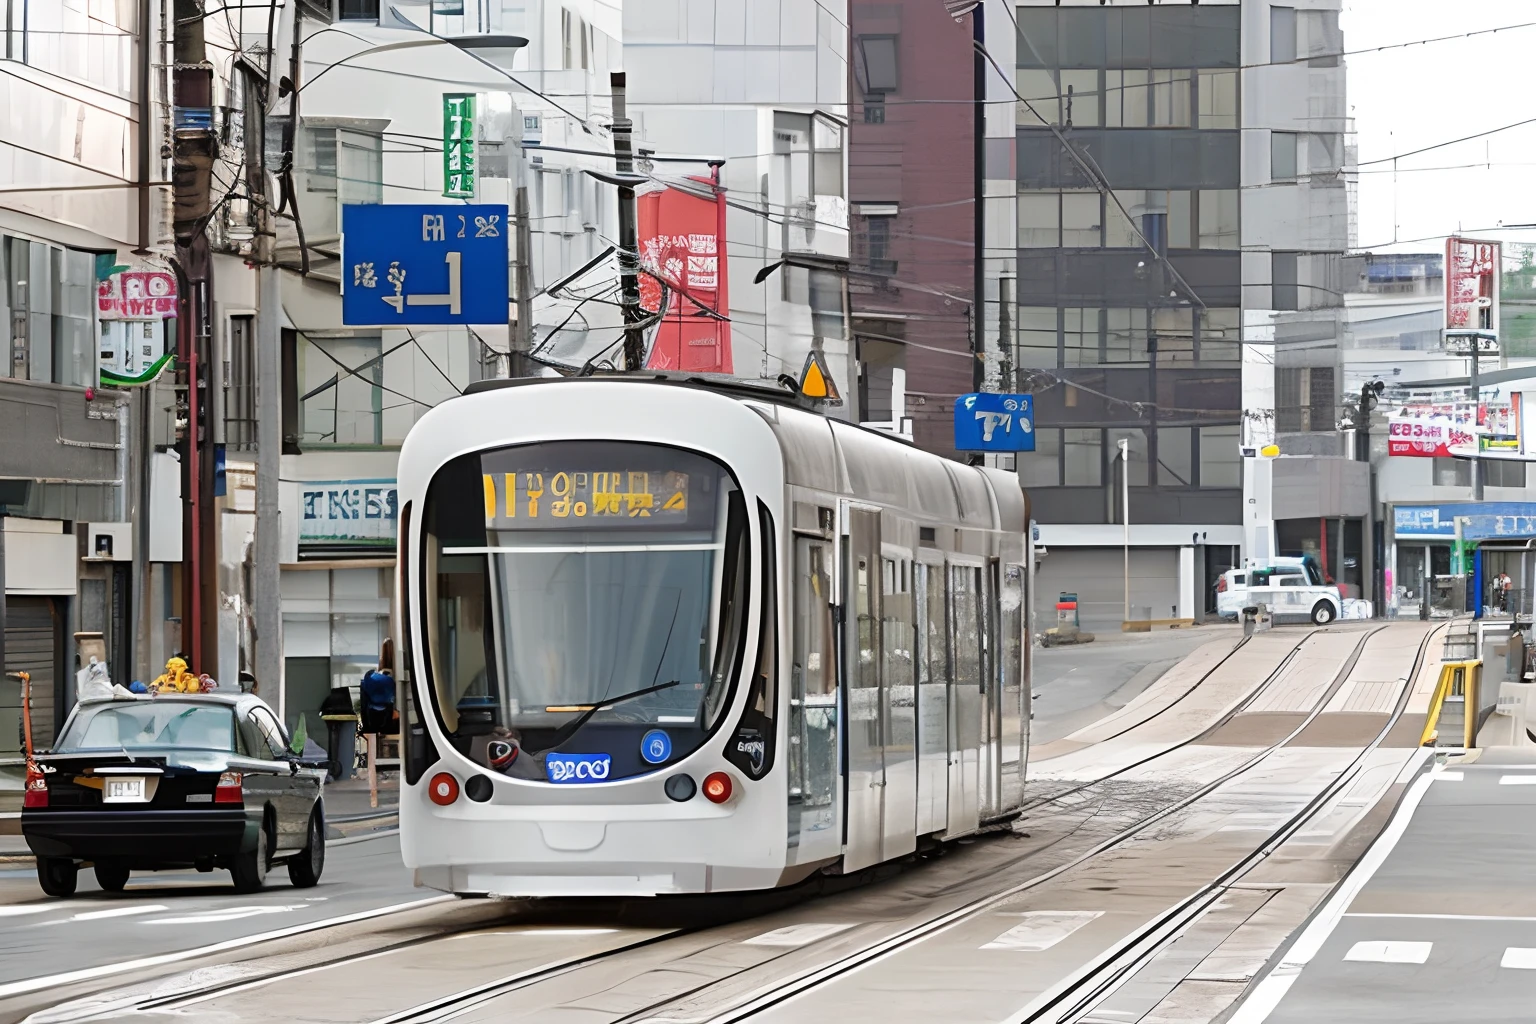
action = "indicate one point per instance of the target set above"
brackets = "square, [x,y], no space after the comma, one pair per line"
[441,264]
[995,423]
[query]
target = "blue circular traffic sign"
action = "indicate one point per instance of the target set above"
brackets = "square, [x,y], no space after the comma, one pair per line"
[656,746]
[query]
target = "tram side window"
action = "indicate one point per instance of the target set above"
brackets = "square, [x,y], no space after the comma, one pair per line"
[896,638]
[751,746]
[812,754]
[933,659]
[966,583]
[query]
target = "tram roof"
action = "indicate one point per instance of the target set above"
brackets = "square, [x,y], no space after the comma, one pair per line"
[734,387]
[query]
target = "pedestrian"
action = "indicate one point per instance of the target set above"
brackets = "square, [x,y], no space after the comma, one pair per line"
[378,694]
[1503,583]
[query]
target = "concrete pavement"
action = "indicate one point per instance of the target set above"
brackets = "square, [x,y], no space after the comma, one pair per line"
[1443,923]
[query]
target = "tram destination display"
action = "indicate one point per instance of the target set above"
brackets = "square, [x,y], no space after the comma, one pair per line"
[537,489]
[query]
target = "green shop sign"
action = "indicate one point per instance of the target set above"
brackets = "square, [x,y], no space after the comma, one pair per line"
[459,145]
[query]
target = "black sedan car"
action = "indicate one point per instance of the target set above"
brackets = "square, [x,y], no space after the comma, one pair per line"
[174,781]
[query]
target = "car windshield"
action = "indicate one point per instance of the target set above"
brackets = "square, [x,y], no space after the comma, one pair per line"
[149,724]
[564,575]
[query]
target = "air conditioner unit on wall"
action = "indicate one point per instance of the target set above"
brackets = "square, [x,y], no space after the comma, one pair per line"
[106,542]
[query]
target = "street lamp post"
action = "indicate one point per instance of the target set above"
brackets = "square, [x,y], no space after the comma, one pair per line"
[1125,515]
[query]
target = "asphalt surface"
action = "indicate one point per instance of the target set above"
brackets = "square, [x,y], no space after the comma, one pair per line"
[1079,684]
[1445,929]
[167,912]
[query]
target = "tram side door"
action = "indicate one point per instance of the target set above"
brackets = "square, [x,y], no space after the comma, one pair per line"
[864,822]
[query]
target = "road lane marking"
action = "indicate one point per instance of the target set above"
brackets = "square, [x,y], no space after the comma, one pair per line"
[1517,780]
[1268,993]
[17,988]
[97,915]
[1447,776]
[30,908]
[1447,917]
[796,935]
[229,914]
[1376,951]
[1519,958]
[1042,929]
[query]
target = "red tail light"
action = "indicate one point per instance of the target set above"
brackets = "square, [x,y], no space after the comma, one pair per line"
[229,790]
[37,791]
[443,789]
[717,787]
[1221,584]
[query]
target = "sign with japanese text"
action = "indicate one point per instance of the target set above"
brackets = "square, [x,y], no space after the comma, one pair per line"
[459,145]
[362,512]
[1429,437]
[439,264]
[1500,423]
[682,242]
[136,295]
[1488,520]
[991,422]
[624,487]
[1472,270]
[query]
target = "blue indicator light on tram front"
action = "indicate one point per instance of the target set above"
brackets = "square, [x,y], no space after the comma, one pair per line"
[656,746]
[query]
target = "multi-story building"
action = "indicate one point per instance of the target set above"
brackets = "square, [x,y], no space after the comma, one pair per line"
[1181,212]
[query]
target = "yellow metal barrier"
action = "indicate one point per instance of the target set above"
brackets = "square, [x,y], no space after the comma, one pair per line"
[1459,684]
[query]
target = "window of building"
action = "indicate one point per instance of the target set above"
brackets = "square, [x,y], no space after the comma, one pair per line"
[1080,337]
[1042,467]
[1282,34]
[1504,474]
[826,157]
[1175,457]
[240,385]
[1282,156]
[875,64]
[1285,278]
[1147,98]
[1453,473]
[1082,220]
[1319,38]
[1220,335]
[1126,334]
[1218,99]
[1138,469]
[47,310]
[92,43]
[1221,463]
[874,109]
[1060,97]
[341,400]
[1037,336]
[1218,218]
[1039,220]
[1305,399]
[1082,451]
[877,235]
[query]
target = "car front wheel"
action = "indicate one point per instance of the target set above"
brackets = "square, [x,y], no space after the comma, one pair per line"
[111,875]
[249,869]
[1322,613]
[57,875]
[305,867]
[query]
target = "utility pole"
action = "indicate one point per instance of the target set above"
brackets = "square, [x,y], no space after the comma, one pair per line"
[1474,391]
[1125,514]
[979,155]
[519,365]
[629,232]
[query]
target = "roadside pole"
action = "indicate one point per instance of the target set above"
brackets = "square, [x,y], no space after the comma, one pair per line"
[522,338]
[629,230]
[266,575]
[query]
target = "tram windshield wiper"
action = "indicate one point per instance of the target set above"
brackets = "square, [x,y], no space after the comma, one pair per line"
[565,732]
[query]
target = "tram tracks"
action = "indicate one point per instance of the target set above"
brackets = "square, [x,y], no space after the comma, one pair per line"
[669,1008]
[679,1006]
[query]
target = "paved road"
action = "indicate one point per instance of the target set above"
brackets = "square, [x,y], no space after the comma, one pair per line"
[166,912]
[1078,685]
[1445,927]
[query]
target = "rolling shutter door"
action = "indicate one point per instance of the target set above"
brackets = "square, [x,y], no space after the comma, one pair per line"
[30,646]
[1097,577]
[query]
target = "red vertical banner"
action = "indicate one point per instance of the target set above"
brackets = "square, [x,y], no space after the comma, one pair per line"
[682,242]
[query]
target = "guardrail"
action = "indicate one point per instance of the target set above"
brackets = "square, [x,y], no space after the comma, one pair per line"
[1453,710]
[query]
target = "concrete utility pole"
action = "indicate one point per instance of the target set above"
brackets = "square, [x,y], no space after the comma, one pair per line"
[1125,514]
[519,365]
[266,585]
[629,231]
[1474,391]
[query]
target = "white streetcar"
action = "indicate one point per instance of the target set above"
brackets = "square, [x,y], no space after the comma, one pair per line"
[675,635]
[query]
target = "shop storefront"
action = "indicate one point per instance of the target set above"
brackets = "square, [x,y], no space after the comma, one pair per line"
[1423,580]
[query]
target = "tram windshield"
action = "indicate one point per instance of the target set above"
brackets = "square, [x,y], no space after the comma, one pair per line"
[564,575]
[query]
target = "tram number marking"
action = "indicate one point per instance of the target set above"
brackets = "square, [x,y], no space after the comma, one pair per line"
[756,750]
[584,495]
[569,768]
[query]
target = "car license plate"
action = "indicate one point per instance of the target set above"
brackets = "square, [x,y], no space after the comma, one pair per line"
[124,791]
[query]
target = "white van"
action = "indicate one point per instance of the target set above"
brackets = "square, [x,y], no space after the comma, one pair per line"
[1293,588]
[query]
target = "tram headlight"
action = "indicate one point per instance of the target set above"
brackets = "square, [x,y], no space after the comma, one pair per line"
[717,787]
[443,789]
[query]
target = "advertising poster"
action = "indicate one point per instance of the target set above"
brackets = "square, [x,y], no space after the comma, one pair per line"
[1471,284]
[682,241]
[1430,429]
[1500,423]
